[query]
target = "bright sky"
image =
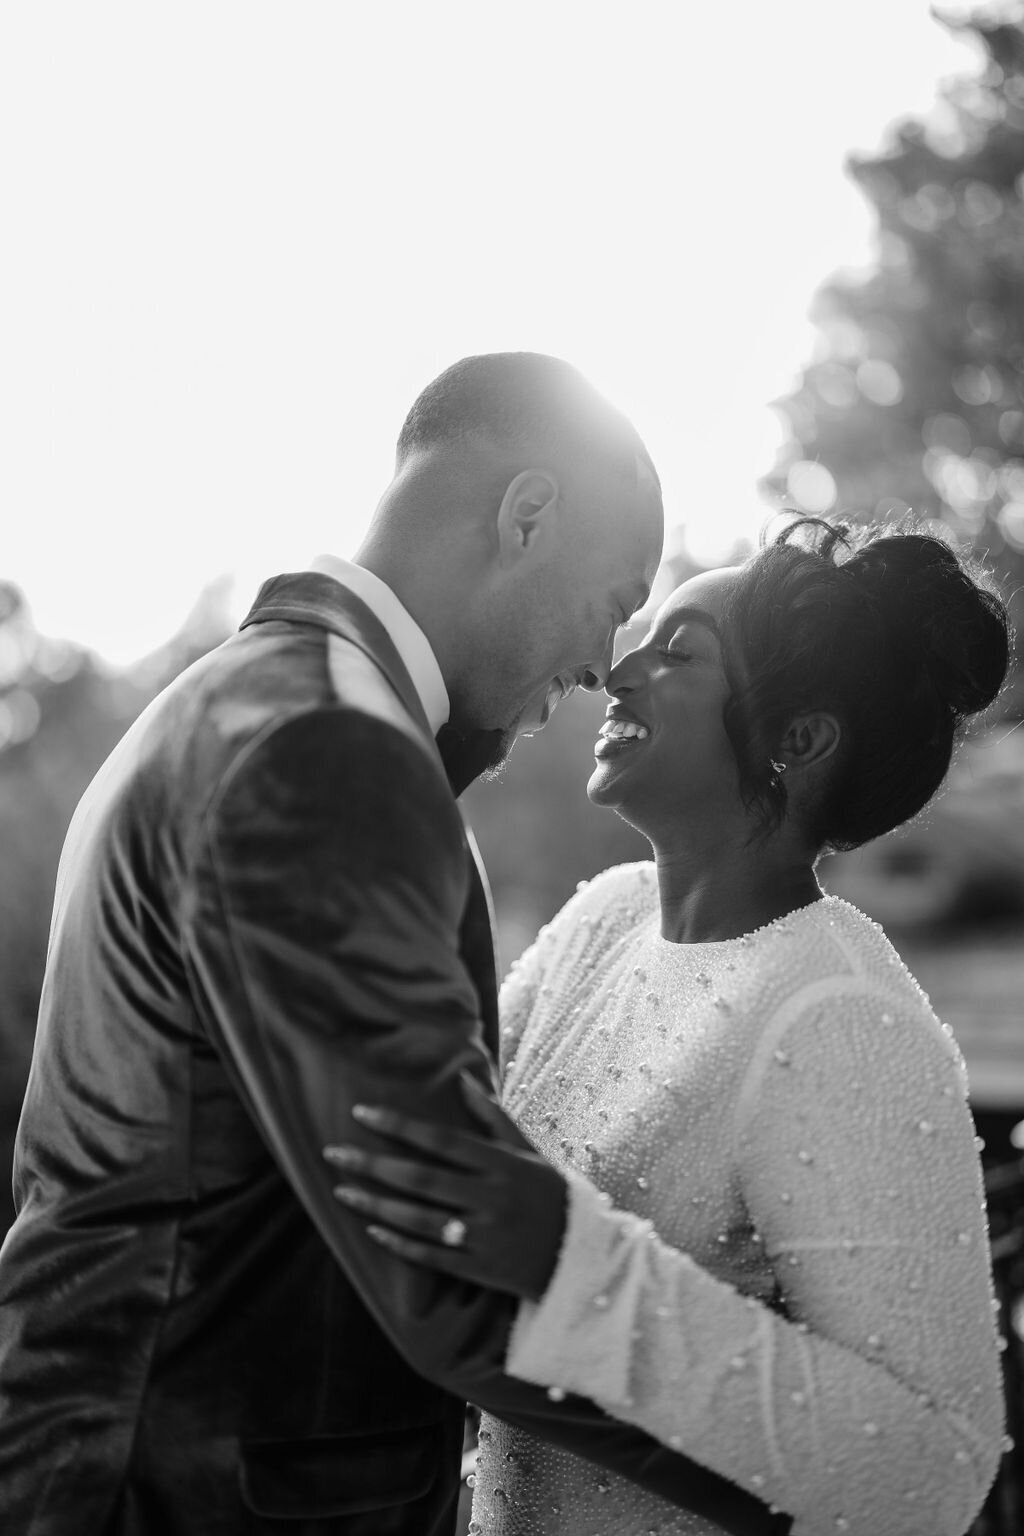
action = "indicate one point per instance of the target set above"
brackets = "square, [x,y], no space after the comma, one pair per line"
[239,237]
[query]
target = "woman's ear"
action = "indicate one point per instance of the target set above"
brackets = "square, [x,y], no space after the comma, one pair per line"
[529,501]
[809,740]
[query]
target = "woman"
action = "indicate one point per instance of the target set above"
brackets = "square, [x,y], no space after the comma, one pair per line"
[791,1282]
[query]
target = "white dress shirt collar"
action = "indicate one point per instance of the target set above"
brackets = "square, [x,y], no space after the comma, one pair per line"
[409,640]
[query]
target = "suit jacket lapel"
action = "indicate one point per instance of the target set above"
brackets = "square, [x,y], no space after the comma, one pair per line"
[477,941]
[309,597]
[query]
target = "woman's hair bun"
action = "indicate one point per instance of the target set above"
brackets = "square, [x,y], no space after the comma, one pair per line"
[938,609]
[897,634]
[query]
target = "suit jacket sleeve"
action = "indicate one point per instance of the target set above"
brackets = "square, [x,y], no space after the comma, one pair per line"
[322,912]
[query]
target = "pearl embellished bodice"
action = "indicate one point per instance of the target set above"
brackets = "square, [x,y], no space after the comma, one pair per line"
[776,1256]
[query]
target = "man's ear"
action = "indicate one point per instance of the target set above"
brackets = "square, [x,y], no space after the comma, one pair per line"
[809,740]
[529,500]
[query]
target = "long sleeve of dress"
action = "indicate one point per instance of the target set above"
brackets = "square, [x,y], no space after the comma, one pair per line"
[870,1404]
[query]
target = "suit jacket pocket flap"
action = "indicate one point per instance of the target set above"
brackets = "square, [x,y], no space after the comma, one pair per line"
[339,1474]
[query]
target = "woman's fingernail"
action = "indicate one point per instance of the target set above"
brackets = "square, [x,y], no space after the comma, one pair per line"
[367,1113]
[351,1196]
[348,1157]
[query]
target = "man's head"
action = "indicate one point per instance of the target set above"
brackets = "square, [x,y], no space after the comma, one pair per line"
[522,528]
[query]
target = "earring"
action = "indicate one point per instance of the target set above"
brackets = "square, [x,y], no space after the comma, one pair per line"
[778,767]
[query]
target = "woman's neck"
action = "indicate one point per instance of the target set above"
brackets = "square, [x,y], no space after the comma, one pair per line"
[737,891]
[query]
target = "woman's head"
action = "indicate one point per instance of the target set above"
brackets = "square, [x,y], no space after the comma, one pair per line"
[854,657]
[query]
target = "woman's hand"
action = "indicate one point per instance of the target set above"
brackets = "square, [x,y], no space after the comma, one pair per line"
[485,1208]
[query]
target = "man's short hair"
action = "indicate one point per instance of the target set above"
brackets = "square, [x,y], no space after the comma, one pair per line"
[520,398]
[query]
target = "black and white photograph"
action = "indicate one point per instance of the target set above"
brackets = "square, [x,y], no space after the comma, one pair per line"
[512,768]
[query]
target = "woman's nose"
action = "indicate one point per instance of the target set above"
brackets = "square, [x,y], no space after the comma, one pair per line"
[624,676]
[619,681]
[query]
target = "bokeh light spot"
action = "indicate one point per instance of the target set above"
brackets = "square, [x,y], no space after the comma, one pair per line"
[19,717]
[1011,524]
[879,382]
[811,486]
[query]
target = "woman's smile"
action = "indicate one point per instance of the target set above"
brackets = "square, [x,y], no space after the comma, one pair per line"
[619,732]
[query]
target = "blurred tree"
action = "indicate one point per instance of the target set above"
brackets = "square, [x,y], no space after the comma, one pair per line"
[61,713]
[916,397]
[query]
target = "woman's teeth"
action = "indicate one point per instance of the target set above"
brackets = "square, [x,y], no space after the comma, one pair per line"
[623,730]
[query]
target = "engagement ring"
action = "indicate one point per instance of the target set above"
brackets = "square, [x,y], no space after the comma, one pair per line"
[453,1233]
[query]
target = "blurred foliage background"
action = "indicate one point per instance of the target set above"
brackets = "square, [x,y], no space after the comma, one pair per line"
[913,400]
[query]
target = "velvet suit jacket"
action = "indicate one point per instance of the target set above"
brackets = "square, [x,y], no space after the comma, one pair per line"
[266,911]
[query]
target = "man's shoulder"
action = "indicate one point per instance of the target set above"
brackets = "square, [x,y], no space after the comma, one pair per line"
[277,704]
[337,794]
[359,683]
[268,676]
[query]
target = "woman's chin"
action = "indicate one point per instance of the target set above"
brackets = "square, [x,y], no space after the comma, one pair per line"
[604,786]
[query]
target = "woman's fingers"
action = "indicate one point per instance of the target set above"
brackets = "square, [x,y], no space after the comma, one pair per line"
[447,1260]
[410,1176]
[441,1141]
[423,1221]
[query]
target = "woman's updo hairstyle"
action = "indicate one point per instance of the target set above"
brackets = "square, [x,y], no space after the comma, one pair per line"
[896,634]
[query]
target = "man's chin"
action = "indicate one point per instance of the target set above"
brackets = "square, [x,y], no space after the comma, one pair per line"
[502,744]
[538,710]
[472,754]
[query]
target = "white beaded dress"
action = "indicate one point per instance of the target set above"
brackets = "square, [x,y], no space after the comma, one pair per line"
[787,1275]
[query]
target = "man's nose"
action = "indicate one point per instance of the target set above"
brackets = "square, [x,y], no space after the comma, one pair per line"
[595,675]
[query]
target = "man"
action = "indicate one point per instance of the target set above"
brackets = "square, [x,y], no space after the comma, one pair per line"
[266,912]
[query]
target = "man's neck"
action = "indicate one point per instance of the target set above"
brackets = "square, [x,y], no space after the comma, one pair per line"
[412,643]
[432,595]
